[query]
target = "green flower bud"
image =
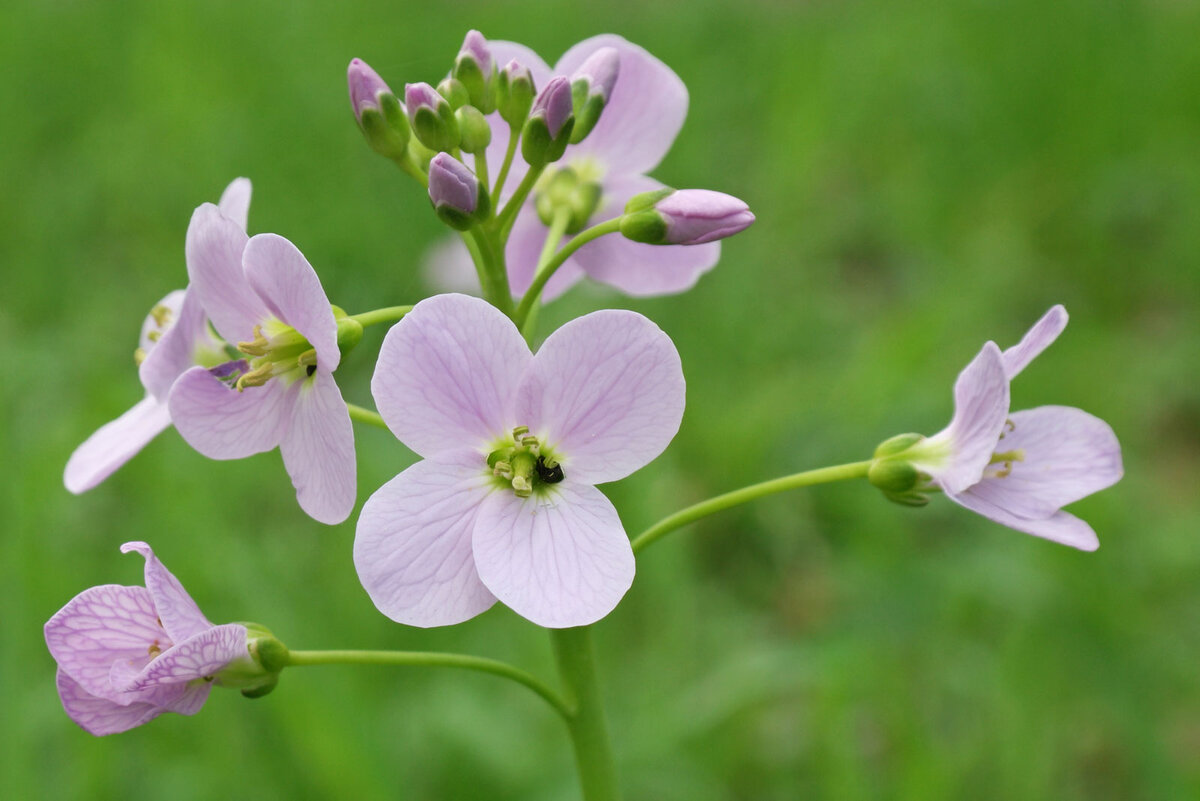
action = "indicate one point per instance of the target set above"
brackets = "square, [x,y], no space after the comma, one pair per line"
[474,132]
[476,71]
[349,334]
[566,190]
[897,444]
[893,475]
[431,117]
[514,93]
[454,92]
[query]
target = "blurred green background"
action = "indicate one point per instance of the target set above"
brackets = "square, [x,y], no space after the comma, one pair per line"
[926,175]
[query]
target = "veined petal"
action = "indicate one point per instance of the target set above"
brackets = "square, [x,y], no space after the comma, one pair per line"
[175,351]
[318,449]
[559,558]
[961,451]
[223,423]
[1038,338]
[525,246]
[176,610]
[606,391]
[644,114]
[198,657]
[412,547]
[214,262]
[1060,454]
[100,626]
[1061,527]
[235,201]
[447,375]
[97,715]
[114,444]
[289,287]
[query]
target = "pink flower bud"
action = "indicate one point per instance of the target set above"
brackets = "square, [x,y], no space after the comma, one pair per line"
[365,86]
[696,216]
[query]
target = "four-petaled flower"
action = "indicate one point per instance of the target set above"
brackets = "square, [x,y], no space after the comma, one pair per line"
[503,504]
[127,654]
[1020,469]
[263,295]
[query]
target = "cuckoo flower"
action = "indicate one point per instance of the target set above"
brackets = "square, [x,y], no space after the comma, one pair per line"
[1020,468]
[127,654]
[262,294]
[504,503]
[175,336]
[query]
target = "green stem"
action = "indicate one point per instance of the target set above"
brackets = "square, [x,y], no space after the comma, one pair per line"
[823,475]
[364,415]
[505,220]
[481,168]
[431,659]
[405,163]
[576,662]
[492,273]
[548,269]
[514,136]
[388,315]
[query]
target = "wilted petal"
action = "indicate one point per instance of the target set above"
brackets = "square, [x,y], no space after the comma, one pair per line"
[1061,527]
[318,449]
[607,392]
[198,657]
[559,558]
[1040,337]
[98,715]
[223,423]
[114,444]
[235,201]
[214,261]
[412,547]
[447,374]
[175,350]
[176,610]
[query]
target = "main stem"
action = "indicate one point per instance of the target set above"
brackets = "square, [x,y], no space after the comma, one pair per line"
[576,662]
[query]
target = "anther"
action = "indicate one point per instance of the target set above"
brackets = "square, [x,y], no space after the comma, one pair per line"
[521,487]
[255,378]
[519,432]
[308,358]
[161,315]
[139,355]
[256,347]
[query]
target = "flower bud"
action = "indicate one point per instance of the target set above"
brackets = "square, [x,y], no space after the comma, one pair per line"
[591,86]
[514,93]
[454,92]
[377,110]
[566,190]
[897,444]
[431,116]
[476,70]
[548,129]
[257,673]
[474,132]
[459,199]
[685,217]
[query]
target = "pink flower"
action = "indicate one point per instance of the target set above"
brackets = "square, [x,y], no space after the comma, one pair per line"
[503,505]
[175,336]
[1019,469]
[262,294]
[127,654]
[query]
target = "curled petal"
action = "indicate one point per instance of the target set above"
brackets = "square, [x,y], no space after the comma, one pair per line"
[223,423]
[176,610]
[1038,338]
[412,547]
[114,444]
[97,715]
[214,249]
[318,449]
[175,351]
[559,558]
[607,392]
[235,201]
[1061,527]
[199,657]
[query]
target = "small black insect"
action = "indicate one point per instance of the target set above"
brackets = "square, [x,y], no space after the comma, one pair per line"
[549,475]
[312,368]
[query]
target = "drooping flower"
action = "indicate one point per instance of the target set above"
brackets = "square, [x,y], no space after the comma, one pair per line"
[1019,469]
[262,294]
[503,504]
[127,654]
[175,337]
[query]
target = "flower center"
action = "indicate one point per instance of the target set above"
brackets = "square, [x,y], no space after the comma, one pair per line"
[277,349]
[574,191]
[524,464]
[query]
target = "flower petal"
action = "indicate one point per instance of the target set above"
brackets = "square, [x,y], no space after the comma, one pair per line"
[172,303]
[176,610]
[318,449]
[223,423]
[412,547]
[214,262]
[198,657]
[100,716]
[114,444]
[289,287]
[447,375]
[524,247]
[606,393]
[1067,454]
[100,626]
[175,350]
[235,201]
[559,558]
[1061,527]
[644,114]
[1038,338]
[980,409]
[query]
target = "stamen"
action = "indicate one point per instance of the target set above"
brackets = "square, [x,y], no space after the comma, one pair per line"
[259,346]
[519,432]
[139,356]
[522,487]
[161,314]
[154,335]
[154,650]
[256,377]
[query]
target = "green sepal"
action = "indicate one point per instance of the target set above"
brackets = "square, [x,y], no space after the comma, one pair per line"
[538,148]
[349,333]
[564,189]
[474,132]
[647,200]
[914,499]
[480,88]
[257,673]
[437,130]
[383,132]
[461,221]
[587,112]
[514,100]
[897,444]
[893,475]
[454,92]
[644,226]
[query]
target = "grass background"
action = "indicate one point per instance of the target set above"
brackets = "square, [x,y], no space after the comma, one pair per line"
[926,175]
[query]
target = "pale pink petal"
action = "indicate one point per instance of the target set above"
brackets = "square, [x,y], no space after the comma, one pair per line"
[114,444]
[175,350]
[447,375]
[1061,527]
[176,610]
[199,657]
[100,626]
[412,547]
[235,201]
[644,114]
[214,262]
[318,449]
[173,303]
[559,558]
[289,287]
[980,409]
[100,716]
[1040,337]
[223,423]
[606,391]
[184,699]
[525,244]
